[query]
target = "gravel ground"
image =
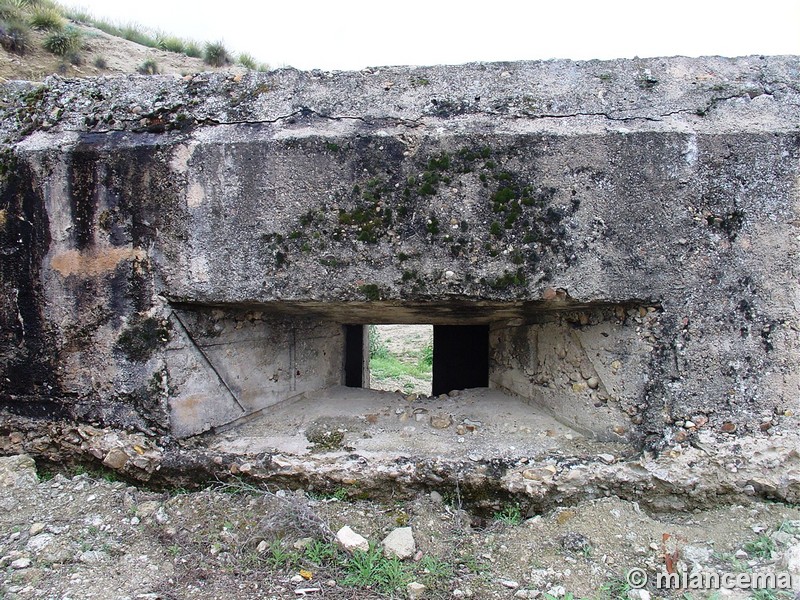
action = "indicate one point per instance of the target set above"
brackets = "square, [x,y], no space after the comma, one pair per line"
[82,536]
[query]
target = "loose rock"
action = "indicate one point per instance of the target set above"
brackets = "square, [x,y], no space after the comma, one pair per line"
[399,543]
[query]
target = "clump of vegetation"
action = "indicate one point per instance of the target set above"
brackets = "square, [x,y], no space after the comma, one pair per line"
[47,18]
[171,43]
[100,62]
[371,291]
[134,33]
[247,61]
[14,37]
[11,11]
[64,42]
[216,55]
[192,50]
[511,514]
[761,547]
[148,67]
[371,569]
[384,364]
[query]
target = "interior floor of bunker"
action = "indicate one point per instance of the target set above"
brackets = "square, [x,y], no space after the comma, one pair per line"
[473,424]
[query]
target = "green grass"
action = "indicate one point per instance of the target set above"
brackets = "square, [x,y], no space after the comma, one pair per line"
[171,43]
[216,55]
[383,364]
[320,553]
[192,50]
[14,36]
[761,547]
[64,42]
[47,19]
[371,569]
[510,515]
[247,61]
[148,67]
[392,366]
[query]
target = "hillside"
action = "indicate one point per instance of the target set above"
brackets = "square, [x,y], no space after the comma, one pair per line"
[87,47]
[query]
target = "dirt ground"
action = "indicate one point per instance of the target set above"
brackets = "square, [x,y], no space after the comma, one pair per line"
[478,422]
[81,537]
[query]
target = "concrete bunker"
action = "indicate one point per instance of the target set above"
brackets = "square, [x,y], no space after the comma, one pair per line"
[188,256]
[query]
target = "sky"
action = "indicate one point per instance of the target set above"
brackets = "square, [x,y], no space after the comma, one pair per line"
[354,34]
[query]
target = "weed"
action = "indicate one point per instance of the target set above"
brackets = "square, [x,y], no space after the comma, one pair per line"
[192,50]
[171,43]
[279,557]
[100,62]
[790,527]
[79,15]
[616,588]
[770,594]
[320,553]
[10,11]
[370,569]
[134,33]
[47,19]
[511,514]
[247,61]
[435,569]
[64,42]
[14,37]
[761,547]
[216,55]
[426,354]
[371,291]
[148,67]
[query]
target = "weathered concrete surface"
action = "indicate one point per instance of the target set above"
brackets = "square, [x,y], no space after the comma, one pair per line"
[629,224]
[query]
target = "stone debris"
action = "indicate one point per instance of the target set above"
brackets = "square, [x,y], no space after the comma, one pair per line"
[415,590]
[21,563]
[17,471]
[399,543]
[441,421]
[350,540]
[791,559]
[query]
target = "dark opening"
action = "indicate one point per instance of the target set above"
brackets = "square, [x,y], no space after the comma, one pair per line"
[460,357]
[354,356]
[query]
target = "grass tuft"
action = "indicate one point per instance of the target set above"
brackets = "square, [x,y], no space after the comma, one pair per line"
[137,35]
[14,37]
[216,55]
[192,50]
[10,12]
[47,19]
[148,67]
[247,61]
[64,42]
[171,43]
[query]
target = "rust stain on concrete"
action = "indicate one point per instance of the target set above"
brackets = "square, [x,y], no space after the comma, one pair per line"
[95,261]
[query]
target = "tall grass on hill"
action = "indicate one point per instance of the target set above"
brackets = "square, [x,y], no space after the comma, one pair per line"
[216,55]
[62,43]
[47,19]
